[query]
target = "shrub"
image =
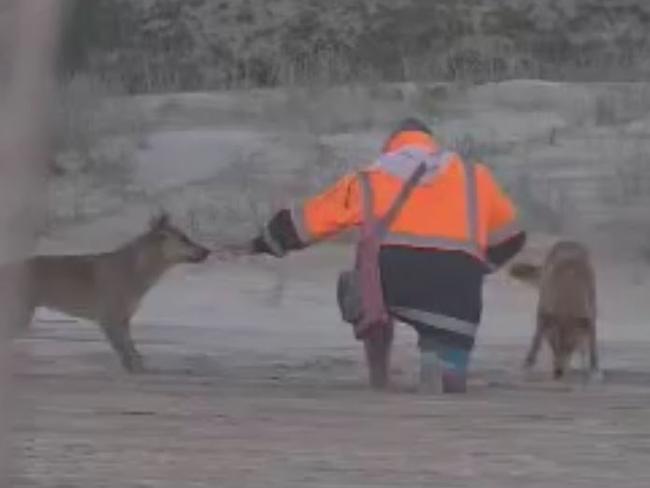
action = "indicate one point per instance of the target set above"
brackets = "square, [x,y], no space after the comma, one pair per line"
[97,133]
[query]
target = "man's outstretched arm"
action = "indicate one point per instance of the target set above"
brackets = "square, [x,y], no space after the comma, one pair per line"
[320,217]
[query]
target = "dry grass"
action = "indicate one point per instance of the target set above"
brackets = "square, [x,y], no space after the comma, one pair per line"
[94,146]
[96,134]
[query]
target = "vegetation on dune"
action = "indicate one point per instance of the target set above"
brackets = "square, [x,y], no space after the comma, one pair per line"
[158,45]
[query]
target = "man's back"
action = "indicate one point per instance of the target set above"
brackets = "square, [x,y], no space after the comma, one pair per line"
[456,226]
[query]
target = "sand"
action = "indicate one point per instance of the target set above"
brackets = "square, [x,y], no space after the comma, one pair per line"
[254,385]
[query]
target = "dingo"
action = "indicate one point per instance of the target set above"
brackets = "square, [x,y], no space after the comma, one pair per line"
[106,288]
[566,311]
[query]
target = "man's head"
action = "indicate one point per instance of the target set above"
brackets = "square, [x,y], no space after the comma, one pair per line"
[410,131]
[411,124]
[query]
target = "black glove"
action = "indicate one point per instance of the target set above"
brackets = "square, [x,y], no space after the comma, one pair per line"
[259,245]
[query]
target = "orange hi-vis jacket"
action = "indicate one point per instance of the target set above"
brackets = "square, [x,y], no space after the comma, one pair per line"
[456,226]
[459,207]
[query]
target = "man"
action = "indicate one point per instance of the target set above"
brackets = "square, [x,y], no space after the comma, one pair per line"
[456,226]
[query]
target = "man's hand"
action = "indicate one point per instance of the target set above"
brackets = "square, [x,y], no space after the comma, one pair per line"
[262,244]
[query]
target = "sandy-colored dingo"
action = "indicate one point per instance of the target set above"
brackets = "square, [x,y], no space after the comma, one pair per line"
[566,310]
[106,288]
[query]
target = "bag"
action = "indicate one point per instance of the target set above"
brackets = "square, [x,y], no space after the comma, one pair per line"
[359,290]
[348,295]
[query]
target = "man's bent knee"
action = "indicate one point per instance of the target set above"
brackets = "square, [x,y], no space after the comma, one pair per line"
[442,367]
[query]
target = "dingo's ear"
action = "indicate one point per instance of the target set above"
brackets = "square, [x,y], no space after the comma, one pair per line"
[527,272]
[160,220]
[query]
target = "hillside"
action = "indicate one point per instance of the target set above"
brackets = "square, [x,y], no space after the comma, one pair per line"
[157,45]
[573,155]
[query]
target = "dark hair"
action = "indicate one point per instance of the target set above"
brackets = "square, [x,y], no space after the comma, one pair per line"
[408,124]
[411,124]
